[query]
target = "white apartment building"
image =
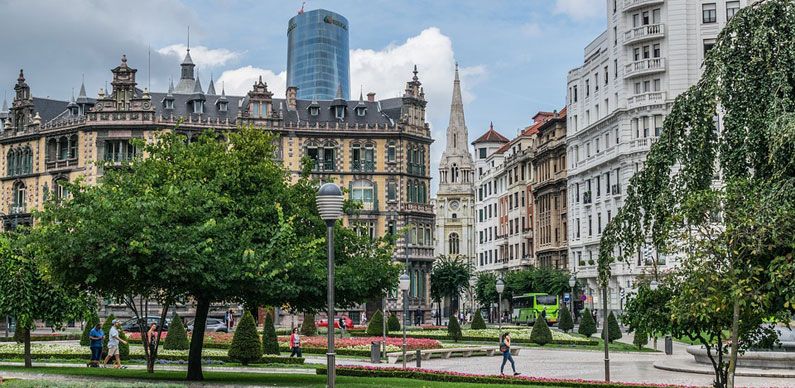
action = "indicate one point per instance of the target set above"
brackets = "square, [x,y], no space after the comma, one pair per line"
[651,51]
[488,172]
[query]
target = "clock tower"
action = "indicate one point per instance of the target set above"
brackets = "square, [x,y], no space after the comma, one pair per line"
[455,201]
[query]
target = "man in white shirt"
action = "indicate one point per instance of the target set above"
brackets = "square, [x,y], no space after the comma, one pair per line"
[113,344]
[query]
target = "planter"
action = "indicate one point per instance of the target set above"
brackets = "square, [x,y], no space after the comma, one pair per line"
[750,359]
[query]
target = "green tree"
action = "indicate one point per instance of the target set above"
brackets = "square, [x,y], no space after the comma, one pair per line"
[485,289]
[587,324]
[449,278]
[29,292]
[393,323]
[477,322]
[742,229]
[246,345]
[213,221]
[454,329]
[308,327]
[541,334]
[640,339]
[91,320]
[613,329]
[376,325]
[177,338]
[270,342]
[565,322]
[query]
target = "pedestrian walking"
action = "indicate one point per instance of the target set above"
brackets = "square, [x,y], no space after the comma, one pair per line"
[230,319]
[151,338]
[96,336]
[295,343]
[505,348]
[342,327]
[113,345]
[363,320]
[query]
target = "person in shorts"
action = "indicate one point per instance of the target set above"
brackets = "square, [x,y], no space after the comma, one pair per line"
[113,344]
[96,336]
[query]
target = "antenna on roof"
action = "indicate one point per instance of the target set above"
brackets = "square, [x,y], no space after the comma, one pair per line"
[301,11]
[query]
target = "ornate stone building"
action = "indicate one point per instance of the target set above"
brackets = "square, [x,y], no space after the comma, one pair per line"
[549,191]
[454,204]
[378,150]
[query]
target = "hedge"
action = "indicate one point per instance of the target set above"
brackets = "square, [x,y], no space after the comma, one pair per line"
[444,376]
[588,342]
[54,337]
[72,356]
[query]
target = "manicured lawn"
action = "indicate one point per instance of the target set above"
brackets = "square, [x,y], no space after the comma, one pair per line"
[282,380]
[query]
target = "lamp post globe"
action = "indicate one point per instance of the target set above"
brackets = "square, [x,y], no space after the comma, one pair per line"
[404,283]
[654,285]
[500,286]
[572,283]
[329,204]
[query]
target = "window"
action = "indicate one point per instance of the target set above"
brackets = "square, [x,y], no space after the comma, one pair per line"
[314,110]
[19,161]
[361,111]
[732,7]
[709,13]
[587,88]
[169,103]
[363,192]
[19,199]
[596,82]
[391,152]
[363,158]
[607,75]
[453,243]
[391,191]
[339,112]
[322,156]
[198,107]
[575,93]
[658,124]
[656,50]
[73,146]
[615,35]
[223,106]
[61,191]
[482,153]
[708,45]
[615,68]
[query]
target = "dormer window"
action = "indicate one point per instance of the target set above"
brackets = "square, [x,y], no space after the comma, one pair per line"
[169,104]
[339,112]
[223,106]
[361,111]
[314,111]
[198,107]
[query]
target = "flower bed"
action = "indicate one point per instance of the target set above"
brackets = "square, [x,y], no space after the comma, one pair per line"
[47,337]
[445,376]
[518,336]
[77,352]
[363,343]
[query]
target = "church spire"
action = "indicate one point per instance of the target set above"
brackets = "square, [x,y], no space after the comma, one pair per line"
[457,133]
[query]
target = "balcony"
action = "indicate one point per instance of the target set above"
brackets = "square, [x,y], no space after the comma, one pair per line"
[615,190]
[642,144]
[644,99]
[644,67]
[639,34]
[586,198]
[55,164]
[323,166]
[363,166]
[631,5]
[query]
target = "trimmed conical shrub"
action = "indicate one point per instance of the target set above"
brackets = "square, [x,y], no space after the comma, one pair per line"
[308,328]
[587,324]
[376,325]
[541,334]
[565,322]
[477,322]
[91,321]
[177,338]
[454,329]
[246,346]
[393,324]
[613,330]
[641,339]
[270,342]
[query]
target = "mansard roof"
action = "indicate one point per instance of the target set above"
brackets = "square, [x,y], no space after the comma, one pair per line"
[49,109]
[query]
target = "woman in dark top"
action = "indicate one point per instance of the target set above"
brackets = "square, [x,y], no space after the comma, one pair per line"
[151,338]
[505,348]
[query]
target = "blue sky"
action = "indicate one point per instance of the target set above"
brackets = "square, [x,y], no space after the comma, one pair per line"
[514,54]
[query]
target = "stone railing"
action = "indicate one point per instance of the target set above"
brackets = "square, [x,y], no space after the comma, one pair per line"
[649,31]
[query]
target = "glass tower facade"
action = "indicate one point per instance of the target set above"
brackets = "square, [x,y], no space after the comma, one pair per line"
[317,55]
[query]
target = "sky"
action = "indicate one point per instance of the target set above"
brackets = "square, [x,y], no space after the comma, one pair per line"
[514,55]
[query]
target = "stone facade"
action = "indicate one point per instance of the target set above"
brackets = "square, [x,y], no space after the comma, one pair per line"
[378,150]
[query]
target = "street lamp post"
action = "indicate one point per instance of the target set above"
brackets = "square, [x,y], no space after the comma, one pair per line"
[329,205]
[653,286]
[500,286]
[404,286]
[572,283]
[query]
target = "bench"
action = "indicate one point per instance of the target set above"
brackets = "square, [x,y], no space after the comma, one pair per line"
[427,354]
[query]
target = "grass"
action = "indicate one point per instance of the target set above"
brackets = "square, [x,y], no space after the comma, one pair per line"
[281,380]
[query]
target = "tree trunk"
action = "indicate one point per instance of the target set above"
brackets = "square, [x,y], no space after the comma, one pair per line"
[197,340]
[152,353]
[734,341]
[28,358]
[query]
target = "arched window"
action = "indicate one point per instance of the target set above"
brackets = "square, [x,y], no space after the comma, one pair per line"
[364,193]
[10,159]
[52,150]
[61,191]
[19,198]
[63,148]
[73,146]
[421,161]
[27,161]
[453,243]
[423,194]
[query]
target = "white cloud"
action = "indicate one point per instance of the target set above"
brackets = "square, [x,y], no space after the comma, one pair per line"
[580,9]
[202,56]
[239,81]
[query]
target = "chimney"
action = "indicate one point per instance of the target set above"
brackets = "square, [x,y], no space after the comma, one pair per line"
[371,97]
[292,92]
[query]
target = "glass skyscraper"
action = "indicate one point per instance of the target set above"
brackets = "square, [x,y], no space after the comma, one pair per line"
[317,55]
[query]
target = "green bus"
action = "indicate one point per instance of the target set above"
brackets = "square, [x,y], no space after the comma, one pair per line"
[527,307]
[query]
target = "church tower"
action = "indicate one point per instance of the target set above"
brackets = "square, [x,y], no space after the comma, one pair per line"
[455,201]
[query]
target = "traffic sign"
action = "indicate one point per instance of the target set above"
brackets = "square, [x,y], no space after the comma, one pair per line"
[566,297]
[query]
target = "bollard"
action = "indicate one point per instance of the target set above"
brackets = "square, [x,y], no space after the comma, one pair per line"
[669,345]
[419,358]
[375,352]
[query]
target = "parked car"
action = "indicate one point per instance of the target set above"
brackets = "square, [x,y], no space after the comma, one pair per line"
[132,324]
[213,325]
[323,323]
